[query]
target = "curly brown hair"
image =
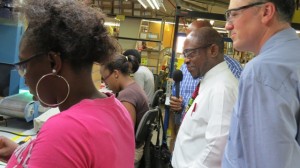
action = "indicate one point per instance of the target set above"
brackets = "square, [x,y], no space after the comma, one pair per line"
[70,28]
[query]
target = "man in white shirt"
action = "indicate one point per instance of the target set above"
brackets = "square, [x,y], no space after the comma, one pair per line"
[204,130]
[143,76]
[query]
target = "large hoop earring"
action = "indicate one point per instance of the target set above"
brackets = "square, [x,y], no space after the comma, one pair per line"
[37,93]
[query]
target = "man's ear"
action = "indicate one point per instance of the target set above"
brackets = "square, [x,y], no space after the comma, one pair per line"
[268,12]
[55,61]
[214,50]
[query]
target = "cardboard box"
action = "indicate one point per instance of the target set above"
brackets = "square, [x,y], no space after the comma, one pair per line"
[127,12]
[106,10]
[136,12]
[147,13]
[137,6]
[127,5]
[106,4]
[117,11]
[153,55]
[116,3]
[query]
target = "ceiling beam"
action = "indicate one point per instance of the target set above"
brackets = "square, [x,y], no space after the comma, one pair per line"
[211,2]
[187,5]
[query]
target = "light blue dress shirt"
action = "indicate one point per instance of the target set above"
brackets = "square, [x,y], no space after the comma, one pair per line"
[264,129]
[188,83]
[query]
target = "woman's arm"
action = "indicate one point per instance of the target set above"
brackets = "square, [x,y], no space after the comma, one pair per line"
[131,109]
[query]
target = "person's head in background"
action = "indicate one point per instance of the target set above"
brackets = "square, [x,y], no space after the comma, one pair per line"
[57,51]
[116,73]
[252,23]
[202,50]
[134,53]
[197,24]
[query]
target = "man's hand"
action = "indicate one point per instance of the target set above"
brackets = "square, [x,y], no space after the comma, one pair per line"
[176,104]
[7,147]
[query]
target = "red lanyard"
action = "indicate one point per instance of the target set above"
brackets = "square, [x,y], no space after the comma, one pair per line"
[194,95]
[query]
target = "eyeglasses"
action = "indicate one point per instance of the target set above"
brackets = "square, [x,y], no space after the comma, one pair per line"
[188,52]
[229,14]
[22,65]
[104,79]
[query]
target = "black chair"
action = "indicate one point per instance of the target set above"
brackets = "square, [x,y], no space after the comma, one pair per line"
[156,99]
[146,125]
[156,154]
[144,132]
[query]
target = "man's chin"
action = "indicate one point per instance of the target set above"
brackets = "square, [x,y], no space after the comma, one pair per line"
[194,75]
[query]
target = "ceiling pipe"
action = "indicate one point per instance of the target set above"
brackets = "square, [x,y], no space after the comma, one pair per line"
[211,2]
[196,5]
[186,5]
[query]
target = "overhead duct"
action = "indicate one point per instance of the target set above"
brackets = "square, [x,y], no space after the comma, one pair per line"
[196,5]
[218,3]
[186,5]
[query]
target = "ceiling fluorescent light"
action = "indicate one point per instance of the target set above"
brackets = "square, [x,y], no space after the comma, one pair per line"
[164,7]
[155,4]
[142,3]
[150,3]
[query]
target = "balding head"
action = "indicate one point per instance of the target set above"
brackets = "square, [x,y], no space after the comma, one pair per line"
[207,35]
[197,24]
[203,49]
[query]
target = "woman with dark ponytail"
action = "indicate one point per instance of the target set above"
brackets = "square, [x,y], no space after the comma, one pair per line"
[116,75]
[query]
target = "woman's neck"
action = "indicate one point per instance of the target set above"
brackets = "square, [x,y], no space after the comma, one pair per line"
[127,81]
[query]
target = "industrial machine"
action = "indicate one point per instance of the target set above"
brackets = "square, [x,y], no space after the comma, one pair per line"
[21,106]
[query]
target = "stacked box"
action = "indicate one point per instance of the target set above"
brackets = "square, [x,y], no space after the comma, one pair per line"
[117,11]
[106,4]
[127,12]
[106,10]
[137,12]
[127,4]
[137,5]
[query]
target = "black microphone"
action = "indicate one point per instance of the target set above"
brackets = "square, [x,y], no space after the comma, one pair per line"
[177,77]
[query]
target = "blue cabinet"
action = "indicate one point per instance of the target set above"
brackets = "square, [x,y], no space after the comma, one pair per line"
[10,36]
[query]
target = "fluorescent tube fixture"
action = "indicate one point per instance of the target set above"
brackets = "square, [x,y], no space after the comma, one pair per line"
[164,7]
[155,4]
[150,3]
[142,3]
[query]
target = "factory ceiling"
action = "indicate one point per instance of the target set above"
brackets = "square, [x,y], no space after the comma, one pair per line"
[210,6]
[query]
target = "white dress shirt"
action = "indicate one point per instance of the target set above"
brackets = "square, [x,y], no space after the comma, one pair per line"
[265,124]
[203,134]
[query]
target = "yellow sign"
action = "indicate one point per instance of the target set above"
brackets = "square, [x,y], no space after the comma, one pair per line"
[296,17]
[120,17]
[180,61]
[144,61]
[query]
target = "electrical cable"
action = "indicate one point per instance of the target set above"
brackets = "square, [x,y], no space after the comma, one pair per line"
[14,133]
